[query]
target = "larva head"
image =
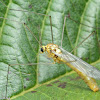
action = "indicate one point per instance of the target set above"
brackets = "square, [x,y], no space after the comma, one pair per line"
[43,49]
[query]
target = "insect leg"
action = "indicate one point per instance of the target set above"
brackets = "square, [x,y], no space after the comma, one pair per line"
[83,41]
[51,28]
[63,30]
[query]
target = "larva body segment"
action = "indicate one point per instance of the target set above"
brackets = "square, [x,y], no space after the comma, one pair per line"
[87,72]
[88,80]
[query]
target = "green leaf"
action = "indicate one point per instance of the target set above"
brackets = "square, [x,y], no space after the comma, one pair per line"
[18,46]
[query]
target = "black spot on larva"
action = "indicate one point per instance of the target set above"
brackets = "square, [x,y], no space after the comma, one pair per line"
[50,51]
[56,56]
[42,50]
[45,48]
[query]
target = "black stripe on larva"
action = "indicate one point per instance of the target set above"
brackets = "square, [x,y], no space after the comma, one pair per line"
[42,50]
[56,56]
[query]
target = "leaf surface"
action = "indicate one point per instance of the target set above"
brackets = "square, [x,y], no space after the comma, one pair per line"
[18,46]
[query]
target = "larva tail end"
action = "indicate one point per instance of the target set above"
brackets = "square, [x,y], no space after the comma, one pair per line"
[94,88]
